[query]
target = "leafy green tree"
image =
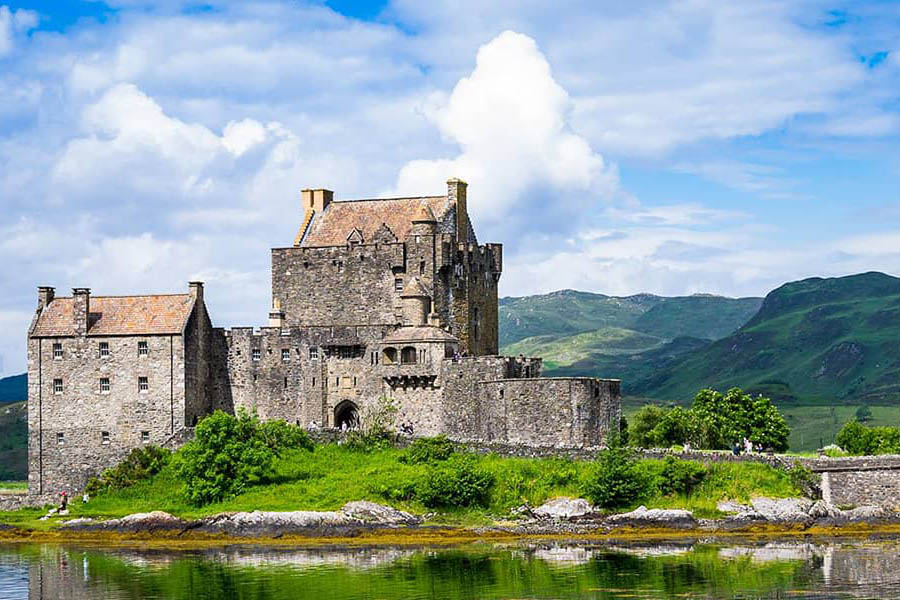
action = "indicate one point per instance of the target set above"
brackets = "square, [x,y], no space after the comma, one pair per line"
[230,453]
[720,420]
[675,427]
[644,421]
[863,413]
[855,438]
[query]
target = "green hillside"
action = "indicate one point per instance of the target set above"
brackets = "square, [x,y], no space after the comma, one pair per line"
[13,389]
[13,441]
[581,348]
[816,341]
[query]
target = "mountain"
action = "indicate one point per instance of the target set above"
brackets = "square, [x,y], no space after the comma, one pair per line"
[14,389]
[14,441]
[816,341]
[631,337]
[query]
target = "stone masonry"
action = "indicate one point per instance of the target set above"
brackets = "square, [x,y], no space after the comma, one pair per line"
[375,298]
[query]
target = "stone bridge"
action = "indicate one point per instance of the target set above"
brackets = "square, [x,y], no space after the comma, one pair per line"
[859,479]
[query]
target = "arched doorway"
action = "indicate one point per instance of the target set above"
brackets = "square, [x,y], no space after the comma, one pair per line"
[346,415]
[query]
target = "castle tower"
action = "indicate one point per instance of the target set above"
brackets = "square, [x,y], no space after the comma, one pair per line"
[416,303]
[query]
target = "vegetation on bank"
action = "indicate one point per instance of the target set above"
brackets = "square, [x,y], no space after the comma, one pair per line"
[431,476]
[857,439]
[715,421]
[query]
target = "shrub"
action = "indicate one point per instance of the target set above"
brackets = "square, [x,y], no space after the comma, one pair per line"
[376,427]
[458,482]
[140,464]
[854,437]
[428,450]
[680,476]
[231,452]
[614,480]
[805,480]
[719,420]
[643,423]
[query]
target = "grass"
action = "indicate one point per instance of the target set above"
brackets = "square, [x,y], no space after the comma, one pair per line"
[332,475]
[13,485]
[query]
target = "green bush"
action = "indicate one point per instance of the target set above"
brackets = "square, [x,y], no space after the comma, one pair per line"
[680,476]
[376,427]
[230,453]
[428,450]
[642,426]
[804,479]
[615,479]
[857,439]
[140,464]
[457,482]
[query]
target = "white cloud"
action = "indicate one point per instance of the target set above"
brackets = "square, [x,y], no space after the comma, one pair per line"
[13,22]
[509,118]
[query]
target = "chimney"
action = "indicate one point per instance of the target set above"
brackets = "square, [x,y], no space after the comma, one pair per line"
[317,200]
[276,315]
[196,289]
[456,195]
[81,309]
[45,296]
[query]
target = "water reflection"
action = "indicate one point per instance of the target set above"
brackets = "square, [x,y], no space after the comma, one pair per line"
[549,570]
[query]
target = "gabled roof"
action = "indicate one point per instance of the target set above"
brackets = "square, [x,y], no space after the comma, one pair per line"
[118,315]
[414,289]
[331,226]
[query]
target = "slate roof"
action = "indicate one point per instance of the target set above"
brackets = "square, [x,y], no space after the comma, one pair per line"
[119,315]
[332,226]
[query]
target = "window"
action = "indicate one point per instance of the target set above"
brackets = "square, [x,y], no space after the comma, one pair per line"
[398,284]
[104,437]
[354,382]
[285,355]
[145,437]
[408,356]
[57,386]
[314,382]
[255,354]
[104,349]
[347,384]
[339,264]
[421,267]
[337,382]
[104,385]
[285,383]
[390,356]
[143,349]
[313,353]
[143,384]
[57,350]
[60,439]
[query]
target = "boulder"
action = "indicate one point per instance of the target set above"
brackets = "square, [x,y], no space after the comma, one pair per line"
[730,506]
[792,510]
[862,513]
[260,523]
[655,517]
[564,508]
[823,510]
[378,514]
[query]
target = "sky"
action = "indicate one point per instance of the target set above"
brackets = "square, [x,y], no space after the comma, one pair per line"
[663,146]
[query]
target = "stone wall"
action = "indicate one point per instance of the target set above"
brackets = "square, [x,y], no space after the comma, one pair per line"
[81,412]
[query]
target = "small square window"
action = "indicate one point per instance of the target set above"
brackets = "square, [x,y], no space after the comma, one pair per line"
[60,439]
[57,350]
[143,349]
[104,385]
[143,384]
[398,284]
[254,354]
[104,437]
[104,349]
[57,386]
[313,353]
[285,355]
[145,437]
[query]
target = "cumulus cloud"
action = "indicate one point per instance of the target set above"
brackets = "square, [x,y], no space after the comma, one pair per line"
[509,118]
[13,22]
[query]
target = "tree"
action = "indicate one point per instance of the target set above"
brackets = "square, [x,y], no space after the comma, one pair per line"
[721,420]
[863,413]
[644,421]
[615,480]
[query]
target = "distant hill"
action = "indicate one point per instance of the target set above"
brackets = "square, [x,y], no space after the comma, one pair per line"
[631,337]
[14,441]
[14,389]
[818,340]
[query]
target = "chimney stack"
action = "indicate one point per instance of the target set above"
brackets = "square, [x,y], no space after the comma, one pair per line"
[81,309]
[456,195]
[276,315]
[196,289]
[317,200]
[45,296]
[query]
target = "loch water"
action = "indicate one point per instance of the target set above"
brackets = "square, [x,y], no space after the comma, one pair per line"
[558,570]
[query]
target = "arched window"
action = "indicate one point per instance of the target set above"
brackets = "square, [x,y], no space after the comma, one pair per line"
[408,356]
[389,356]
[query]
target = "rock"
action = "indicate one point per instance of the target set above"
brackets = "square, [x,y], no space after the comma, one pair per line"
[792,510]
[564,508]
[370,512]
[272,524]
[730,506]
[861,513]
[644,517]
[76,522]
[823,510]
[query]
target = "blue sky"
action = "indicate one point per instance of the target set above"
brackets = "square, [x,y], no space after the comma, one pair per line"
[665,146]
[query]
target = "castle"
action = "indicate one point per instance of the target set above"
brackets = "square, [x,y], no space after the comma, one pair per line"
[375,298]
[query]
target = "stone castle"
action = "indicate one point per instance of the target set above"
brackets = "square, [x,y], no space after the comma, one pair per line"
[375,298]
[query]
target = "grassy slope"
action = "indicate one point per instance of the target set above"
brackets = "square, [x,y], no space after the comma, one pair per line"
[333,475]
[817,341]
[568,350]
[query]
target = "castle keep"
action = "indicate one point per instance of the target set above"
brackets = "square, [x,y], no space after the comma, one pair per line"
[375,298]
